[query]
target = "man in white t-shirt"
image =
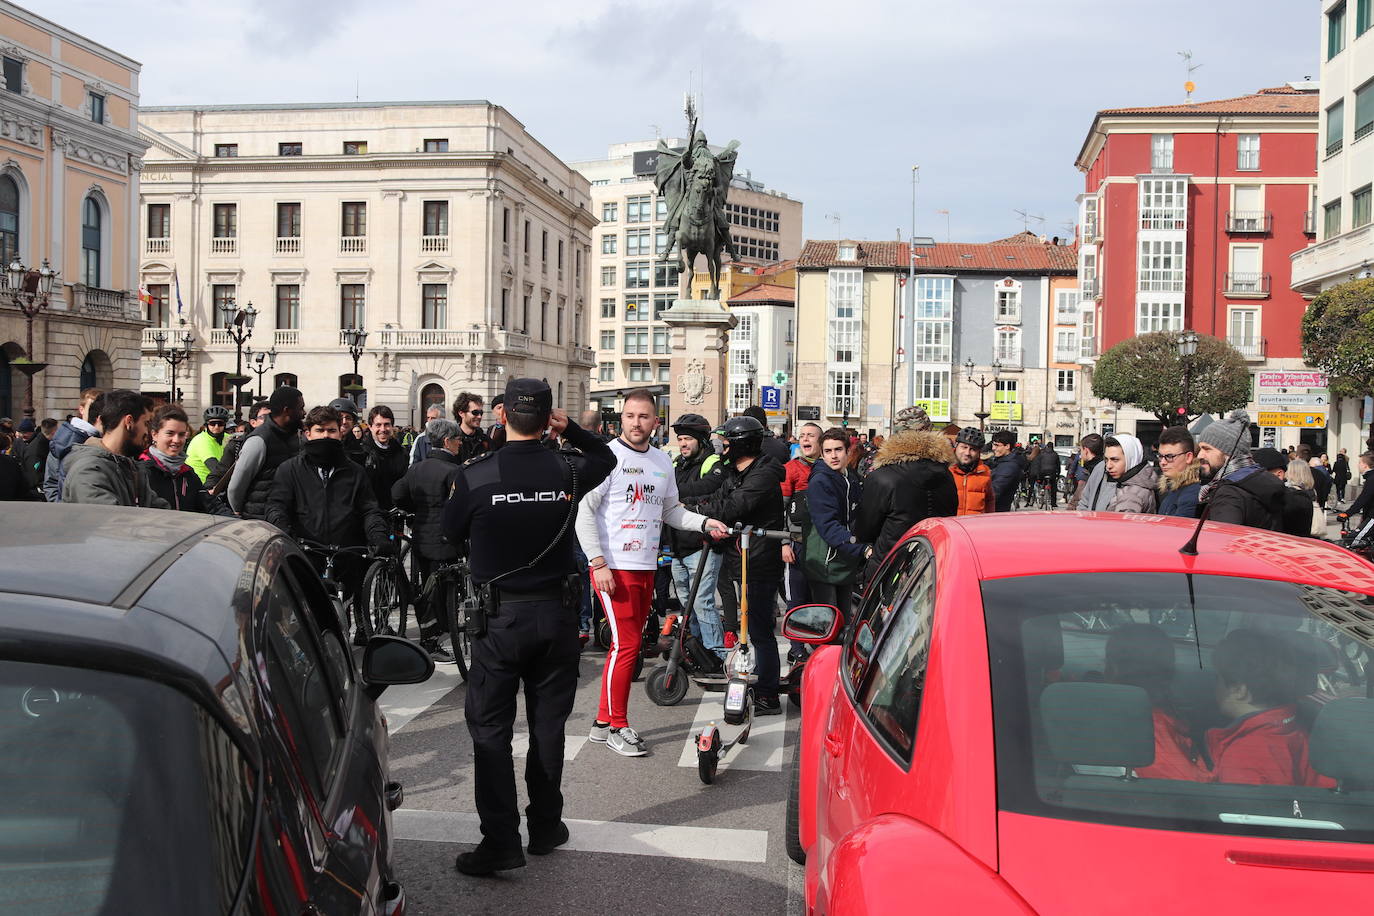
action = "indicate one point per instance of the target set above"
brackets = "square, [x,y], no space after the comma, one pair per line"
[620,526]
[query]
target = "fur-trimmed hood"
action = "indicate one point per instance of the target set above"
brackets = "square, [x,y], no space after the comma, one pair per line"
[914,445]
[1190,476]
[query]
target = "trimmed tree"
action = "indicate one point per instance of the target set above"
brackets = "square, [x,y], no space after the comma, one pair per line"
[1338,338]
[1147,372]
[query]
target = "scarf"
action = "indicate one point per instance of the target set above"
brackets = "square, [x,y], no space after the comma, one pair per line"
[172,463]
[1230,471]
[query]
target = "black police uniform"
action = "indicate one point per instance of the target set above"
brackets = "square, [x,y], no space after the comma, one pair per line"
[509,506]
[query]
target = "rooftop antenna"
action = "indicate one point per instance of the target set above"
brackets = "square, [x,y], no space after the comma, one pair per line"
[1026,218]
[836,218]
[1189,67]
[945,214]
[658,131]
[357,88]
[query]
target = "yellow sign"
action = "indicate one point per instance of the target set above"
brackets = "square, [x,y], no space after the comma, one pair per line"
[1006,411]
[935,408]
[1312,420]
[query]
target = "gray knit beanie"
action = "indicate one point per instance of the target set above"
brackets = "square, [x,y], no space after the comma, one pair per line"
[1231,436]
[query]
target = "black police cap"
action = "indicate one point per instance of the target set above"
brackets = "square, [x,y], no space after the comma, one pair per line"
[528,396]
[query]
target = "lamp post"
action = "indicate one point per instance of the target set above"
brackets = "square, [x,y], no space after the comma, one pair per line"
[29,291]
[179,353]
[355,339]
[982,383]
[238,324]
[255,363]
[1187,349]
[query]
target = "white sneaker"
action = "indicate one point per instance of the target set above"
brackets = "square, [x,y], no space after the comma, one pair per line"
[599,733]
[626,743]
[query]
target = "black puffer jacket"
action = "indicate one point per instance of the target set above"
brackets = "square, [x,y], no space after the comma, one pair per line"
[384,466]
[282,445]
[693,488]
[910,481]
[1257,499]
[754,497]
[340,511]
[424,491]
[181,488]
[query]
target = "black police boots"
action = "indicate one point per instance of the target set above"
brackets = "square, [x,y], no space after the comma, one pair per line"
[541,844]
[485,860]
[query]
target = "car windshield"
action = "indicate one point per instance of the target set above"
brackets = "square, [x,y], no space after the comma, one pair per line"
[1187,702]
[121,796]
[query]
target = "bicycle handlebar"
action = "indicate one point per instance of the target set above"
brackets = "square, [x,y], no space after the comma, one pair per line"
[328,550]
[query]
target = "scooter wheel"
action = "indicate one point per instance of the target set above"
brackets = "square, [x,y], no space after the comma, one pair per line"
[708,755]
[663,693]
[603,634]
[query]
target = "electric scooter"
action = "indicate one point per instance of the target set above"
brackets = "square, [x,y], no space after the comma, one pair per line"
[684,655]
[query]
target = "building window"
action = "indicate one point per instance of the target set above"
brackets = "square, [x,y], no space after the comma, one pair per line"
[934,316]
[664,372]
[637,307]
[355,148]
[1335,31]
[1009,304]
[353,306]
[1159,316]
[436,217]
[290,149]
[354,221]
[1359,207]
[1087,331]
[606,341]
[605,372]
[609,211]
[505,308]
[1007,391]
[661,344]
[1163,203]
[637,209]
[1161,267]
[1008,350]
[637,242]
[289,221]
[158,310]
[661,209]
[607,308]
[662,302]
[1065,381]
[434,306]
[933,385]
[226,221]
[738,396]
[226,150]
[97,107]
[223,298]
[351,387]
[288,306]
[436,146]
[1162,152]
[1331,219]
[543,319]
[637,275]
[845,316]
[222,389]
[640,372]
[525,314]
[159,215]
[525,242]
[842,392]
[1248,152]
[560,254]
[505,225]
[1335,128]
[608,276]
[544,246]
[1066,306]
[609,243]
[90,242]
[1364,16]
[14,75]
[667,274]
[637,342]
[1065,345]
[1243,329]
[1364,111]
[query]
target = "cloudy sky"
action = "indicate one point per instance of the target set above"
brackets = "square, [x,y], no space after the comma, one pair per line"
[833,102]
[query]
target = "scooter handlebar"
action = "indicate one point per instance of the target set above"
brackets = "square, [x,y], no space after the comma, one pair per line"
[767,533]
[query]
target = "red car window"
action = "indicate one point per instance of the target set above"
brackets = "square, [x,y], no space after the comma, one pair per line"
[1202,703]
[889,584]
[891,697]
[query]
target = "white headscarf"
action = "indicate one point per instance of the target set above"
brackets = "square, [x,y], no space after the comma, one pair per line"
[1131,448]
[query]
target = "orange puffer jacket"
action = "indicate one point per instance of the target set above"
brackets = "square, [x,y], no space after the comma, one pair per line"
[975,489]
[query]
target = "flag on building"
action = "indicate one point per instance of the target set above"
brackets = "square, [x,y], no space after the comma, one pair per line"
[176,280]
[144,296]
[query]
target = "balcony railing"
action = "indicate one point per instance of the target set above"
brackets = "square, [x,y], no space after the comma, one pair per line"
[583,356]
[1335,146]
[288,244]
[1309,222]
[1064,397]
[1066,315]
[1249,221]
[1251,348]
[1010,357]
[290,337]
[353,244]
[150,336]
[1065,354]
[102,303]
[433,339]
[1364,130]
[219,337]
[157,246]
[1089,229]
[224,245]
[434,244]
[1247,285]
[1087,348]
[512,340]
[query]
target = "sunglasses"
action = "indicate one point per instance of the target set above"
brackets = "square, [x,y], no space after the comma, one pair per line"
[475,413]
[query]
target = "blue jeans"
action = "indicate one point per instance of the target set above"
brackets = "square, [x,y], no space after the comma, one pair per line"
[705,618]
[584,612]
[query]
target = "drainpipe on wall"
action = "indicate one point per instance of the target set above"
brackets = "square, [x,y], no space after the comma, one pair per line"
[1216,205]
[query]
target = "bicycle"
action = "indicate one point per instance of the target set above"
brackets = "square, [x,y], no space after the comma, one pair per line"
[1042,495]
[358,624]
[457,602]
[385,592]
[399,519]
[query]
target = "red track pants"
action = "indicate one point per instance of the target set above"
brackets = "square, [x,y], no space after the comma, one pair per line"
[626,612]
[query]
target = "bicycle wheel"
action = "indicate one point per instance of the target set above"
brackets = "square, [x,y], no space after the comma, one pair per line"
[403,555]
[456,620]
[383,595]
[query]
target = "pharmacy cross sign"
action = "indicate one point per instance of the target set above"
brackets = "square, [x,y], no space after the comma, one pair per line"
[779,378]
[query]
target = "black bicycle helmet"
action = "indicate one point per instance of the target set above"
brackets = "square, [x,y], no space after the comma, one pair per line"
[692,424]
[216,413]
[971,436]
[345,405]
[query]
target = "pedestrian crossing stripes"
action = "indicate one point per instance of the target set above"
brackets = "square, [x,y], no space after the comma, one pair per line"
[763,752]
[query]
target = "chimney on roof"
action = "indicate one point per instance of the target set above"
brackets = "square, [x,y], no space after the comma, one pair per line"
[1054,241]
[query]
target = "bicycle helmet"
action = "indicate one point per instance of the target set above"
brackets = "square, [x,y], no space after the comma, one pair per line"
[692,424]
[216,413]
[345,405]
[972,437]
[743,437]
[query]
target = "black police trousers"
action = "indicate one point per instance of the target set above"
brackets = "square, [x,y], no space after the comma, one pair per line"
[533,643]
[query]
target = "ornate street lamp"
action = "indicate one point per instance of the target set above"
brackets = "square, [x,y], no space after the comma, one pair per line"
[29,291]
[983,382]
[355,339]
[1187,349]
[255,363]
[238,324]
[178,353]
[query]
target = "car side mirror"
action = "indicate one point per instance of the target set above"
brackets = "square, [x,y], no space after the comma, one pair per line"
[815,624]
[391,660]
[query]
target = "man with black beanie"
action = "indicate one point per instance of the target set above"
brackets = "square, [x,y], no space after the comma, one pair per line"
[1234,488]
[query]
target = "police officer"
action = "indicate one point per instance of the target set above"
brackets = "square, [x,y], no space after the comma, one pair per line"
[514,510]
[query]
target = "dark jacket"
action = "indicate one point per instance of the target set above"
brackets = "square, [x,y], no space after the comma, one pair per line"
[910,481]
[1178,495]
[13,486]
[217,469]
[66,436]
[1046,464]
[1007,472]
[1321,480]
[754,497]
[472,446]
[1252,497]
[340,511]
[1365,500]
[94,474]
[834,497]
[1340,470]
[424,491]
[698,478]
[181,488]
[384,466]
[776,449]
[281,446]
[35,460]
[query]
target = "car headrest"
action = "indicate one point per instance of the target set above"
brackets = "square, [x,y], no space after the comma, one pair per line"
[1099,724]
[1042,639]
[1342,741]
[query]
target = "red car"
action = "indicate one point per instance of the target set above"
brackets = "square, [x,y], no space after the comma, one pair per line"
[1064,714]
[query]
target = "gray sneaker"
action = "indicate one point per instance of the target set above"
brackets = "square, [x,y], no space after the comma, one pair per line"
[599,733]
[626,743]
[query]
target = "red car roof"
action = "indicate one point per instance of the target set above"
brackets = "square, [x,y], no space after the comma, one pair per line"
[1046,543]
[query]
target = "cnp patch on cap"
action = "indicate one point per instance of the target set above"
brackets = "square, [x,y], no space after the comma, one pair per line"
[528,396]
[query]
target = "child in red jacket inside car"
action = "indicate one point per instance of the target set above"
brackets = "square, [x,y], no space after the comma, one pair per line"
[1258,688]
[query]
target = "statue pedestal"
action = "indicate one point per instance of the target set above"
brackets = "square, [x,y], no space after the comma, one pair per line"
[700,335]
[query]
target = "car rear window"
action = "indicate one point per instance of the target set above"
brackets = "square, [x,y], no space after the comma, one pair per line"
[1184,702]
[121,796]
